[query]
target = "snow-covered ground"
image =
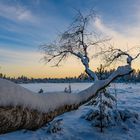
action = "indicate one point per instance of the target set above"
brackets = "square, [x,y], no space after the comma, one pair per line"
[76,128]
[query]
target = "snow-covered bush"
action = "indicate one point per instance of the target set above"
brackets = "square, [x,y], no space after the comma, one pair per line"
[123,118]
[68,90]
[54,126]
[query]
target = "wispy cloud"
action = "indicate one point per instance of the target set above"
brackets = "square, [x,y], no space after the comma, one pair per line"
[16,13]
[20,57]
[119,38]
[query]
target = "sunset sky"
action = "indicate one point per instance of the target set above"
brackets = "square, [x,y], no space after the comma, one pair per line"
[25,24]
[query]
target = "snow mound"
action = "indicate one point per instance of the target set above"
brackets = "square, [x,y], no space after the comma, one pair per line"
[12,94]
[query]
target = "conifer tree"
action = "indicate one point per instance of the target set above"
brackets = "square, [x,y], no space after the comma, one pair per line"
[103,101]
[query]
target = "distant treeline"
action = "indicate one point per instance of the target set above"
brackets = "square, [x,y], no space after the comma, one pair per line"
[133,77]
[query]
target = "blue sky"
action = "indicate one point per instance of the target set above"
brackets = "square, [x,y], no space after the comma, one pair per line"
[25,24]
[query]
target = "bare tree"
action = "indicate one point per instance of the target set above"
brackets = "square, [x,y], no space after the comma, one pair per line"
[75,41]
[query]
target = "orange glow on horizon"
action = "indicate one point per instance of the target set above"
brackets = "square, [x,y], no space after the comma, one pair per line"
[70,68]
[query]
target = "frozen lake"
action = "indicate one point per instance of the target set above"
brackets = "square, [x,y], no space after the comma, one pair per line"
[54,87]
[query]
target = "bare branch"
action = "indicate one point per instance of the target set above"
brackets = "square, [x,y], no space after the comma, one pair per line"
[114,54]
[74,42]
[136,56]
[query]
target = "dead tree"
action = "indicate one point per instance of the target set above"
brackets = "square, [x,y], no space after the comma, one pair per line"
[16,115]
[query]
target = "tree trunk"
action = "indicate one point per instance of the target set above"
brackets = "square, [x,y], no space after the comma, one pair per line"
[19,117]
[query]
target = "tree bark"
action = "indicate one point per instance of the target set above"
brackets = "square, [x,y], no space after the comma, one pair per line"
[14,118]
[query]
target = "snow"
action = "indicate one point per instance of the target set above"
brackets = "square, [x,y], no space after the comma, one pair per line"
[76,128]
[56,87]
[16,95]
[85,61]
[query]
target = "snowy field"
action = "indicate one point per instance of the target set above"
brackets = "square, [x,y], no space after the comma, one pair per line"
[76,128]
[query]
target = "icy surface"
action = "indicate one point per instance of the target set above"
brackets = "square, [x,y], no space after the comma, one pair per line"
[76,128]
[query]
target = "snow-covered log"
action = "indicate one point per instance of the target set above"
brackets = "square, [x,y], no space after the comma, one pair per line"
[24,109]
